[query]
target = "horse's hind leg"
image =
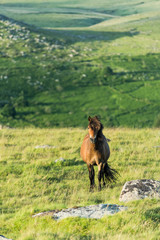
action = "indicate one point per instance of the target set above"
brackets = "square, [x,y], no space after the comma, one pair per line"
[91,176]
[104,184]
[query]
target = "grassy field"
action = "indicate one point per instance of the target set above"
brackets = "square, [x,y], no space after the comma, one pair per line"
[75,60]
[32,182]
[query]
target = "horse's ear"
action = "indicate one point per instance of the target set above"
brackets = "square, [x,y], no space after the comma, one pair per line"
[89,118]
[97,117]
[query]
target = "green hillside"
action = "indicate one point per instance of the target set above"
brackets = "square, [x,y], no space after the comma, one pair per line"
[31,182]
[79,59]
[73,13]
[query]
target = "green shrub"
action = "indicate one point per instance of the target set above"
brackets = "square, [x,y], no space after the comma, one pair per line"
[9,110]
[157,121]
[107,71]
[21,100]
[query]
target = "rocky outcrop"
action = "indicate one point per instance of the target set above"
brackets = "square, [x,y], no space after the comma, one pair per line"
[140,189]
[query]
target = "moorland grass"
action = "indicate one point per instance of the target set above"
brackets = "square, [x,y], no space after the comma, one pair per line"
[31,182]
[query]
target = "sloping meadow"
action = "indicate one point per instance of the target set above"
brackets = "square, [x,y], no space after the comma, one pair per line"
[58,77]
[32,181]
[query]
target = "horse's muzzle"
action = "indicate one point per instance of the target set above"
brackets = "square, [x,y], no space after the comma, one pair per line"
[93,140]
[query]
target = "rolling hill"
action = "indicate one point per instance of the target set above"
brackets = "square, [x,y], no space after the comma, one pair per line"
[62,61]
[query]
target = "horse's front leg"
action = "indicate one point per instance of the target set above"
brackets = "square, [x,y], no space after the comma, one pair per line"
[91,176]
[100,175]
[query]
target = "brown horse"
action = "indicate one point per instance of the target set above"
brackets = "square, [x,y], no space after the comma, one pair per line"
[95,151]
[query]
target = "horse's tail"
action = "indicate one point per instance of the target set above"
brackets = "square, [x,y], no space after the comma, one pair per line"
[110,173]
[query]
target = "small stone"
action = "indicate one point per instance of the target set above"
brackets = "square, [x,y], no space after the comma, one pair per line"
[140,189]
[44,146]
[60,160]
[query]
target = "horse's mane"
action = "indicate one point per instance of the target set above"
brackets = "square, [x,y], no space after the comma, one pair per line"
[96,123]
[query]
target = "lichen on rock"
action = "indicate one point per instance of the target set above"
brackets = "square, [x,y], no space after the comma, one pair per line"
[140,189]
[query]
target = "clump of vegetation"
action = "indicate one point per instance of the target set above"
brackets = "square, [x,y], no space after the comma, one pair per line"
[108,71]
[9,110]
[21,100]
[157,121]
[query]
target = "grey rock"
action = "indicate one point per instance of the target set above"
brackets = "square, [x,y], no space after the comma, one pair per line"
[4,238]
[93,211]
[140,189]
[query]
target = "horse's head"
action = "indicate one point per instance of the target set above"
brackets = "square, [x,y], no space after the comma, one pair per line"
[94,127]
